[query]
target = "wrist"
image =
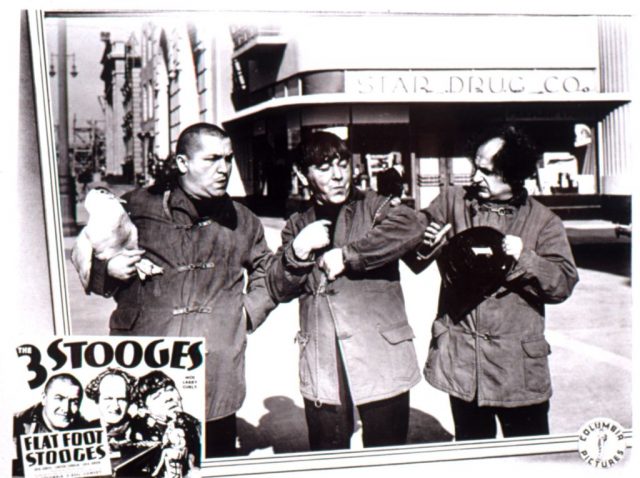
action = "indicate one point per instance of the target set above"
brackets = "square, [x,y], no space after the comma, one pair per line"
[301,253]
[109,268]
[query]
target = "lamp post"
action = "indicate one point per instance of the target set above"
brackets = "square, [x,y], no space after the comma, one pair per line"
[65,174]
[74,68]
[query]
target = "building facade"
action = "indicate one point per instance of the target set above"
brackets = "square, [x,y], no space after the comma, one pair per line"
[134,164]
[183,69]
[154,87]
[413,89]
[113,77]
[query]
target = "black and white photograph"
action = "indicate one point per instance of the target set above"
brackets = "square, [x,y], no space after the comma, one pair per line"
[109,406]
[401,234]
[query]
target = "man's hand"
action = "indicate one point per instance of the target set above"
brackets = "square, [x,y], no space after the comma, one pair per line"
[312,237]
[332,263]
[512,246]
[146,268]
[395,201]
[434,233]
[123,266]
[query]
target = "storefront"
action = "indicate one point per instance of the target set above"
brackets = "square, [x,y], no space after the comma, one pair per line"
[410,92]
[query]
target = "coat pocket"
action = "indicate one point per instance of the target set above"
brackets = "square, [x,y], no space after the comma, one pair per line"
[397,333]
[437,329]
[536,364]
[398,354]
[124,319]
[303,364]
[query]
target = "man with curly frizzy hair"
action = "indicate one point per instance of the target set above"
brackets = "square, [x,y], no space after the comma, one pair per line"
[491,357]
[112,390]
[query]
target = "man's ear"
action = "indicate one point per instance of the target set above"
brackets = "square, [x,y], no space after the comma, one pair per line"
[181,163]
[303,179]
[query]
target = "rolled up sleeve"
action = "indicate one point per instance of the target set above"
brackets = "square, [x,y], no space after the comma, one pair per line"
[287,273]
[397,231]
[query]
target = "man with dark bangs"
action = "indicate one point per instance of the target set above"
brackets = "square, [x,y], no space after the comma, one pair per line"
[340,259]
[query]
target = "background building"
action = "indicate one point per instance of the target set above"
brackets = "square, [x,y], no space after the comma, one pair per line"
[403,90]
[417,87]
[134,169]
[113,77]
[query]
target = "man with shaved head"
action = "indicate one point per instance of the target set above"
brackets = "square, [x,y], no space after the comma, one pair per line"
[204,242]
[58,410]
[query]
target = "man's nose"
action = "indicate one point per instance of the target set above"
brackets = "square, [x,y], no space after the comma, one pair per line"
[336,172]
[224,166]
[477,176]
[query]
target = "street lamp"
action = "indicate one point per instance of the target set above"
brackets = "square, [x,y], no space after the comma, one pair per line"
[74,68]
[66,179]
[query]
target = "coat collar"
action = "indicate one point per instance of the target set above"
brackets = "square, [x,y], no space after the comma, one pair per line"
[518,199]
[344,219]
[180,208]
[309,215]
[518,207]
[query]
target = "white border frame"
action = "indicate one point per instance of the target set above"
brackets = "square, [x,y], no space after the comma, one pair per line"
[49,169]
[311,461]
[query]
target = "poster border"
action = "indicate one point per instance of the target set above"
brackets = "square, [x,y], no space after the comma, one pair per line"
[301,461]
[49,174]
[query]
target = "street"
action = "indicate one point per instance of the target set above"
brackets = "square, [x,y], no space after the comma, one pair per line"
[590,337]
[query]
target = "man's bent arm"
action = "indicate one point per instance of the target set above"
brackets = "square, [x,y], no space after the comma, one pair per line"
[287,274]
[258,303]
[549,272]
[398,231]
[100,282]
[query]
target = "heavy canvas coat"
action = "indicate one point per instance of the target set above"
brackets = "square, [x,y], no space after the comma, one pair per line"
[498,351]
[200,292]
[363,309]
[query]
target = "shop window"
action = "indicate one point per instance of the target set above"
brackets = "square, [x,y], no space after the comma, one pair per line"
[428,180]
[568,172]
[239,81]
[461,171]
[377,166]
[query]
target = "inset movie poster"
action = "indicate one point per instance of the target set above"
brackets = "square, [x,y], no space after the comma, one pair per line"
[109,406]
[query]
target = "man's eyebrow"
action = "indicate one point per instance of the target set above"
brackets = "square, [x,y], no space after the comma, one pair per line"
[219,156]
[483,169]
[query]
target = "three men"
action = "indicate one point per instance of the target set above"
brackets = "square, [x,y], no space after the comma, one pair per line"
[492,359]
[340,258]
[204,242]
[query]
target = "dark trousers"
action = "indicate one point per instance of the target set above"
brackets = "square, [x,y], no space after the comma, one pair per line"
[384,422]
[221,437]
[473,422]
